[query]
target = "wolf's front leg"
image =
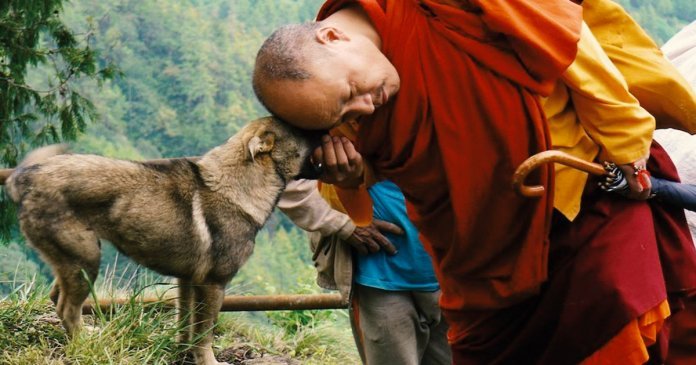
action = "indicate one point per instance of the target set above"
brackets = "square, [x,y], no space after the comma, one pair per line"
[207,302]
[184,314]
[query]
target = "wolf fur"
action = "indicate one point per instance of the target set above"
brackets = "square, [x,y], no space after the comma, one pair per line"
[194,220]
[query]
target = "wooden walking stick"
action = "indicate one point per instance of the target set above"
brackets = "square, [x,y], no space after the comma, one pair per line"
[239,303]
[543,158]
[666,191]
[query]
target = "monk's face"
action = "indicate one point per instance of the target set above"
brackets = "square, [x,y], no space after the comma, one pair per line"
[348,80]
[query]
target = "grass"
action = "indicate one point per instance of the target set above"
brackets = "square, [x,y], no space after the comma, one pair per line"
[318,342]
[30,333]
[138,333]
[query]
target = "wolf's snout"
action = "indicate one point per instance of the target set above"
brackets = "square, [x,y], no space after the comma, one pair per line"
[314,138]
[310,170]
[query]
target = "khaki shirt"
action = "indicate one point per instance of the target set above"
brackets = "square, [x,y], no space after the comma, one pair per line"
[328,228]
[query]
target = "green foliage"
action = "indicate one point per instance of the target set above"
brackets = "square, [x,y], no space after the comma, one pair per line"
[33,38]
[187,67]
[17,269]
[8,219]
[32,35]
[281,263]
[296,321]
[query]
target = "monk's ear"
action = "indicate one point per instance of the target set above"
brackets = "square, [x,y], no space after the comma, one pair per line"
[327,35]
[261,142]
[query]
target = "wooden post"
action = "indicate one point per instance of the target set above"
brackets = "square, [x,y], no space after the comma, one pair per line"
[4,174]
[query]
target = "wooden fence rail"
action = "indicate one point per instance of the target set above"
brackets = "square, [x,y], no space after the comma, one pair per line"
[241,303]
[4,174]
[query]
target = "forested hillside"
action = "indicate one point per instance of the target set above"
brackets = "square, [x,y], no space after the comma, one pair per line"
[185,87]
[186,69]
[187,64]
[661,18]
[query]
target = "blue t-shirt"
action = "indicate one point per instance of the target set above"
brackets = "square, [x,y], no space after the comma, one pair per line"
[411,268]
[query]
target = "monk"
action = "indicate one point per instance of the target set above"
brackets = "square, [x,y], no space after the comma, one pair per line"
[667,93]
[447,96]
[589,107]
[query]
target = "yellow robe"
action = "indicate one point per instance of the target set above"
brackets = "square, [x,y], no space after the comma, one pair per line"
[659,86]
[591,113]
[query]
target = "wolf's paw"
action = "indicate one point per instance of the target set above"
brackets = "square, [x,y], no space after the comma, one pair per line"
[90,330]
[50,319]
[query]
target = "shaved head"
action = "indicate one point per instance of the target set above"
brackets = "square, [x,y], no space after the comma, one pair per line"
[283,57]
[319,75]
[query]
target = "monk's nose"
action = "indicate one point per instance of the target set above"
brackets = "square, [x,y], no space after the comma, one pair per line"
[363,105]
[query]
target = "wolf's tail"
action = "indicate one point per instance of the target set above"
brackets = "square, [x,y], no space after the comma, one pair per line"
[40,154]
[34,157]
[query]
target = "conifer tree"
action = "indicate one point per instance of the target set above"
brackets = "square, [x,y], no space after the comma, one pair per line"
[34,39]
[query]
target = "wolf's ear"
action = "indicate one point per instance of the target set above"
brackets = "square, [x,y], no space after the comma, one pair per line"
[261,143]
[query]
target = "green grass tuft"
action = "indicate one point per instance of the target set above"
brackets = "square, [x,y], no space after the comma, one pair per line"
[30,333]
[137,333]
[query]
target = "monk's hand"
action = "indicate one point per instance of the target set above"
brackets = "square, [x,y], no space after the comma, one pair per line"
[371,239]
[342,164]
[638,179]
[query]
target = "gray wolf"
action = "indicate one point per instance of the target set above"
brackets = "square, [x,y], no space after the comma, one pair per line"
[195,220]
